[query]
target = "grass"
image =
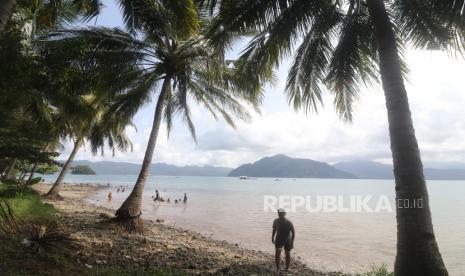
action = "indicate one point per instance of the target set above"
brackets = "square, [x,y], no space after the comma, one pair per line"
[379,271]
[26,203]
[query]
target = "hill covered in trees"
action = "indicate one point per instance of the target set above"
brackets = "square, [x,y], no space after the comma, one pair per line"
[284,166]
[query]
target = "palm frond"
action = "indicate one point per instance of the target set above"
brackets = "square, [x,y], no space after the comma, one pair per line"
[143,15]
[420,23]
[89,8]
[186,22]
[352,61]
[307,73]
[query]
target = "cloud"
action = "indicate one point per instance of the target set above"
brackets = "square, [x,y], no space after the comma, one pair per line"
[436,96]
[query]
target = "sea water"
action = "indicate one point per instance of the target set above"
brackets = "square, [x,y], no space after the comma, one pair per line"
[231,209]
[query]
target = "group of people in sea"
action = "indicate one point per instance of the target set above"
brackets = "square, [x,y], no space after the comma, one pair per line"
[158,198]
[121,188]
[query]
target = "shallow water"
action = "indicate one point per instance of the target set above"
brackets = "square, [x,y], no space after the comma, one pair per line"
[233,210]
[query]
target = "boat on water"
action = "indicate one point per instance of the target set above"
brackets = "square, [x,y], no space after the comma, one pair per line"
[243,177]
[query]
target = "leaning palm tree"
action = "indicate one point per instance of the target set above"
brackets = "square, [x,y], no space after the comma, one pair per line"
[91,126]
[176,65]
[81,94]
[342,44]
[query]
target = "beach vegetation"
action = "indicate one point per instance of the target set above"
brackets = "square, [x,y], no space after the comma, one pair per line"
[379,271]
[82,169]
[46,99]
[34,240]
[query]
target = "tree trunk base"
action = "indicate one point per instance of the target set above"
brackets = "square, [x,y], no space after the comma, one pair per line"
[131,224]
[54,197]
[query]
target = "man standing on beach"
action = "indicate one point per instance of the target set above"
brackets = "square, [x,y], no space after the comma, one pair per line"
[283,237]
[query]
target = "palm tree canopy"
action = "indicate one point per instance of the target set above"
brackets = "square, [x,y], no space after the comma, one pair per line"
[81,94]
[171,48]
[47,14]
[333,41]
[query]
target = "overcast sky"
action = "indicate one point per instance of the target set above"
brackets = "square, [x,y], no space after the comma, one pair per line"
[437,102]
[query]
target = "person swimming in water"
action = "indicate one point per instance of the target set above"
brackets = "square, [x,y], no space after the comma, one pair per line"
[157,196]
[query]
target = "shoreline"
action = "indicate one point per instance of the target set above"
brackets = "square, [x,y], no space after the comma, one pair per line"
[161,245]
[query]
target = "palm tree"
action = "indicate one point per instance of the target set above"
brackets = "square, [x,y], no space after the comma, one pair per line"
[94,127]
[339,43]
[172,53]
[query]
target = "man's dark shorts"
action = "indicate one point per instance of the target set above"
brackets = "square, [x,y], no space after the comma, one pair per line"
[287,244]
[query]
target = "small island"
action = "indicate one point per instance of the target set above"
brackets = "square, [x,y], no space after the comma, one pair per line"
[82,169]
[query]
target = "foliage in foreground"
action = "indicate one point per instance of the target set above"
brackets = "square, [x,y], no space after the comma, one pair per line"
[379,271]
[26,203]
[38,235]
[20,257]
[18,260]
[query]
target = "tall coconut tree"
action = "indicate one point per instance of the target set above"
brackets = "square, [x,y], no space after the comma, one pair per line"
[342,44]
[177,68]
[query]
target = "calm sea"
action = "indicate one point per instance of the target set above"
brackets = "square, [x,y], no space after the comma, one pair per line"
[231,209]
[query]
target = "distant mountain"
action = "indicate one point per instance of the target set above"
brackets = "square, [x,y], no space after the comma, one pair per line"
[373,170]
[366,169]
[124,168]
[284,166]
[445,174]
[279,166]
[445,165]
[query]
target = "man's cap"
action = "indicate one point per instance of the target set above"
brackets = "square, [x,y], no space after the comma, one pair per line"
[281,210]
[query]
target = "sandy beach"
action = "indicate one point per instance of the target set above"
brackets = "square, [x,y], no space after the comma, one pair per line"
[101,243]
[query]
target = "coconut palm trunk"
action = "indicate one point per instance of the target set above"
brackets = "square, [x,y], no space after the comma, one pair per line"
[11,168]
[130,210]
[54,192]
[6,9]
[417,250]
[33,170]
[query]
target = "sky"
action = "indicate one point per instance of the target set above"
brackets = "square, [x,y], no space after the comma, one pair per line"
[435,88]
